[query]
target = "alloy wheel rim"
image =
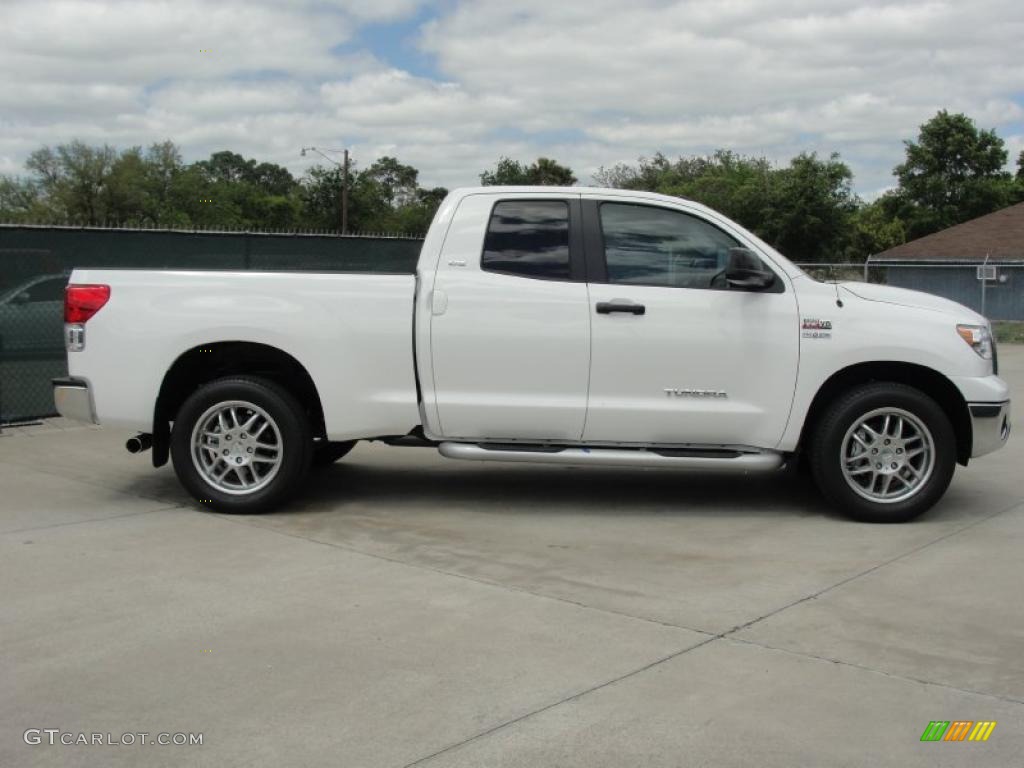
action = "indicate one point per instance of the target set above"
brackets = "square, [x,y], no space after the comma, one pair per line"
[887,455]
[236,447]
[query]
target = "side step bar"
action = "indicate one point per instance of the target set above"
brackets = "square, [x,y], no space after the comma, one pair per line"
[714,460]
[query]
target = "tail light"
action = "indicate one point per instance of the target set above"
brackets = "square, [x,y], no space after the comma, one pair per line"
[83,301]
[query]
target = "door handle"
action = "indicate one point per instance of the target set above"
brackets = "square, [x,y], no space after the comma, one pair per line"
[607,307]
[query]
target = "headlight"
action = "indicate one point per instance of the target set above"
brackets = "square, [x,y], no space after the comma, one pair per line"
[979,337]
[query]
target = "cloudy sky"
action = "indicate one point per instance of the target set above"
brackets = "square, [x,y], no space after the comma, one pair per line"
[450,86]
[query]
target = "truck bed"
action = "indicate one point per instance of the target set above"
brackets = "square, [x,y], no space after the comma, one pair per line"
[351,332]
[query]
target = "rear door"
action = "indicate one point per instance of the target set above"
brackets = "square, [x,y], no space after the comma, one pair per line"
[510,320]
[678,356]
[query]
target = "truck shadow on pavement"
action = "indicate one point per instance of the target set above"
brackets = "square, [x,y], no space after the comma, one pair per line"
[556,490]
[352,486]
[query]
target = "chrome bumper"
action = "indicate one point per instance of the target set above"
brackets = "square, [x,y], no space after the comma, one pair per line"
[74,400]
[991,426]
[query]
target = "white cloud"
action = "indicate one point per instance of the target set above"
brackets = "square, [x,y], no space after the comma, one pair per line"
[683,77]
[591,82]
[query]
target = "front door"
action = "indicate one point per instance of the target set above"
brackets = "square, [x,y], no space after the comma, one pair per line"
[703,364]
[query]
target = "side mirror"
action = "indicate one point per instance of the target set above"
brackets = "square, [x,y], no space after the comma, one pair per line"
[745,270]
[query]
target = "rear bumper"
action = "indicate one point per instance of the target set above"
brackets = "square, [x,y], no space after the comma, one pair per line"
[74,400]
[990,426]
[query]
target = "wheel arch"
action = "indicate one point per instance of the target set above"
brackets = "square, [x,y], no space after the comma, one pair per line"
[927,380]
[206,362]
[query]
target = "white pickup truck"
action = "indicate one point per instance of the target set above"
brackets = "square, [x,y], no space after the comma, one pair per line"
[558,325]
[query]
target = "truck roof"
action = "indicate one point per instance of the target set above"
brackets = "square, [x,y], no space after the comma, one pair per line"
[585,191]
[459,193]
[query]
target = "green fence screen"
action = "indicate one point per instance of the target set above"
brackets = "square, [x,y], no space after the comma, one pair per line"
[35,262]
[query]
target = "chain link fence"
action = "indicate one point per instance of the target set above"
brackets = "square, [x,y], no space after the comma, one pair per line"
[36,261]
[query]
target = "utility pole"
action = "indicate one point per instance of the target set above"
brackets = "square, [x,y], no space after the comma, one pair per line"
[344,195]
[984,281]
[344,180]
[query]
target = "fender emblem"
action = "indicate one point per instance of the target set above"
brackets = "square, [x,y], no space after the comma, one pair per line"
[813,328]
[813,324]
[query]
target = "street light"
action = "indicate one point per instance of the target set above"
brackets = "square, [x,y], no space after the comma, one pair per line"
[344,180]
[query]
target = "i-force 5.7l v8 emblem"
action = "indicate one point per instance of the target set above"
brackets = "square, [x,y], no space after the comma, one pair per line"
[813,328]
[671,391]
[813,324]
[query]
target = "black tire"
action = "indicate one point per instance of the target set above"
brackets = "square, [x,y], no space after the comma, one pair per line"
[295,441]
[325,454]
[827,457]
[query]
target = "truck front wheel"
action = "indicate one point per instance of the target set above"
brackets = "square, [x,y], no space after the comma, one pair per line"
[883,453]
[241,444]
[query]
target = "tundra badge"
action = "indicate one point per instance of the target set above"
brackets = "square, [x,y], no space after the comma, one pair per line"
[671,391]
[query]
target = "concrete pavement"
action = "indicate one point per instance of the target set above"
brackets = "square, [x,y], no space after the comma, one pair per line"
[410,610]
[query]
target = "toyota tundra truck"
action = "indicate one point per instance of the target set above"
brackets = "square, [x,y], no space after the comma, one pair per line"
[589,327]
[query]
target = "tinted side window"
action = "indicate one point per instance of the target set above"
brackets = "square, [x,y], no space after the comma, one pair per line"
[528,238]
[657,246]
[48,290]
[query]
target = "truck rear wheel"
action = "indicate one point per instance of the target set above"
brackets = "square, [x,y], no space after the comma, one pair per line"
[241,444]
[883,453]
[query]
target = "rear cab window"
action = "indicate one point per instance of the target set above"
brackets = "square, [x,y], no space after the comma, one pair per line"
[528,238]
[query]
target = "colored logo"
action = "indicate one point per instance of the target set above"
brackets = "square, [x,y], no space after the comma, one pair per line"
[958,730]
[814,324]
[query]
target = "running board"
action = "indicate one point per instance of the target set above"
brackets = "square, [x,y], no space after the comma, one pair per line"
[712,460]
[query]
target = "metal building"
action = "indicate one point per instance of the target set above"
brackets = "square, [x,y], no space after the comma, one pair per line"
[979,263]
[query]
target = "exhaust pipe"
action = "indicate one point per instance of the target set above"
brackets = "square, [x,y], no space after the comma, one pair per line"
[141,442]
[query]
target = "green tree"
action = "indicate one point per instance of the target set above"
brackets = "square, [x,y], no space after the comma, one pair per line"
[274,180]
[738,186]
[378,193]
[155,188]
[544,171]
[22,202]
[186,205]
[414,218]
[230,167]
[396,183]
[73,177]
[163,165]
[99,185]
[654,174]
[952,173]
[125,194]
[227,166]
[239,192]
[547,172]
[618,176]
[810,208]
[875,227]
[506,173]
[386,197]
[321,197]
